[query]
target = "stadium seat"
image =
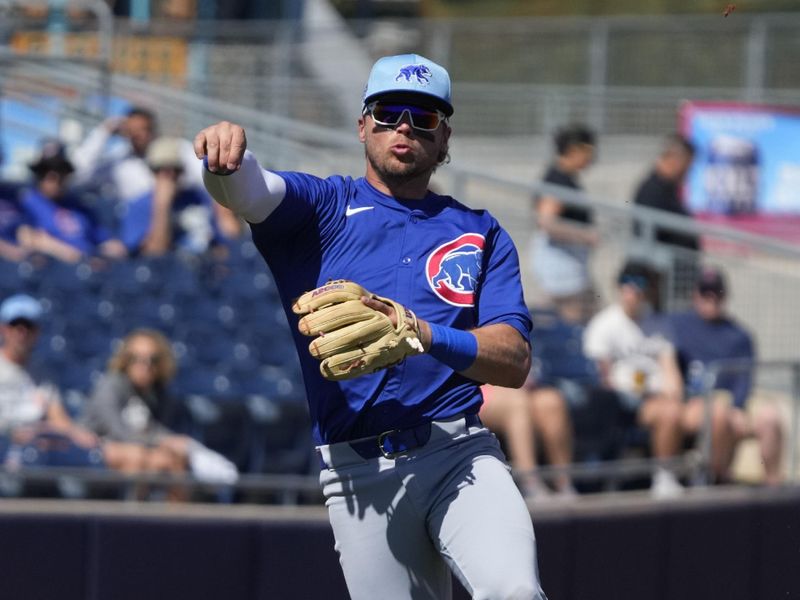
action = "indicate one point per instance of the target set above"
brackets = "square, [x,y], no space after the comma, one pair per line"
[10,280]
[558,352]
[281,441]
[200,379]
[222,425]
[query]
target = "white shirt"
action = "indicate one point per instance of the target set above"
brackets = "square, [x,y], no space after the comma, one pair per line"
[22,401]
[613,336]
[130,174]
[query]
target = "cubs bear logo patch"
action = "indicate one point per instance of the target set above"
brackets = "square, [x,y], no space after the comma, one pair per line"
[453,269]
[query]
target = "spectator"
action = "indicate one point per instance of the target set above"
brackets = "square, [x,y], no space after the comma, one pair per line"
[661,190]
[706,335]
[12,218]
[130,404]
[125,168]
[642,370]
[169,217]
[122,165]
[519,415]
[30,406]
[562,247]
[58,224]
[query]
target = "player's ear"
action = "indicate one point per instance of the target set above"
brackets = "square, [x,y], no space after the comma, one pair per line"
[446,131]
[362,135]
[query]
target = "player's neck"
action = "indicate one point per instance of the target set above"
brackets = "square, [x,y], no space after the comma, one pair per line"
[409,189]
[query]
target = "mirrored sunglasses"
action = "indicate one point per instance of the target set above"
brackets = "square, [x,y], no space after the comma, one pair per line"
[390,115]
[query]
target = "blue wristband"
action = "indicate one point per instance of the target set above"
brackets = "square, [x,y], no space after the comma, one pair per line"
[220,171]
[453,347]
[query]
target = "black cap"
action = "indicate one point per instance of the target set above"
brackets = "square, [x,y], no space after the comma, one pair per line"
[711,281]
[52,157]
[634,274]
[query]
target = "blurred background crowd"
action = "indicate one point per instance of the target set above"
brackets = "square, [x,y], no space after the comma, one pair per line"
[643,165]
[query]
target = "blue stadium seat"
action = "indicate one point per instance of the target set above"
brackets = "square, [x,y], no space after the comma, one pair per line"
[245,287]
[558,352]
[200,379]
[11,282]
[222,425]
[281,436]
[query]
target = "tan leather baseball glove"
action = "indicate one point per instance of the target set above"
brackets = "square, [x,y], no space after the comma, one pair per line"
[350,338]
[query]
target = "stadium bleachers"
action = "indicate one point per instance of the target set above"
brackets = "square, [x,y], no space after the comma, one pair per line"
[238,382]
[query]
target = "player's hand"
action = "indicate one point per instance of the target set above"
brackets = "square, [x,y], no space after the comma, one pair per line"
[382,307]
[224,145]
[115,125]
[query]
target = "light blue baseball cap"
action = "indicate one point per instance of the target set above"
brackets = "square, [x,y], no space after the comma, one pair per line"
[20,306]
[406,74]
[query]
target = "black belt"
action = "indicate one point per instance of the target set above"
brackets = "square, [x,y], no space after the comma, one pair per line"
[396,442]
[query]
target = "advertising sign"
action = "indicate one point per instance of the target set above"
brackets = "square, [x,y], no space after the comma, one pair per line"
[746,171]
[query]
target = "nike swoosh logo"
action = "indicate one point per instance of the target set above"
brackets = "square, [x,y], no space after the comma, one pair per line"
[353,211]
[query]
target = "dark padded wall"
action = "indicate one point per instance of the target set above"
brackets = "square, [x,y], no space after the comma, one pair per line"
[747,549]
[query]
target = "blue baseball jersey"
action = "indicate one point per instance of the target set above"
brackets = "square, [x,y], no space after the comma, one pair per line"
[11,219]
[66,219]
[452,265]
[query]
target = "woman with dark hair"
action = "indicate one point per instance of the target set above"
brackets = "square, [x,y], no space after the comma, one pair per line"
[565,233]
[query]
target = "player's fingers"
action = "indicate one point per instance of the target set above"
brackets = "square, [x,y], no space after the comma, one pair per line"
[237,147]
[381,307]
[212,149]
[200,144]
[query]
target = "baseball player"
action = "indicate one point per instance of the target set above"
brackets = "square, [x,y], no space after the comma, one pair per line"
[373,271]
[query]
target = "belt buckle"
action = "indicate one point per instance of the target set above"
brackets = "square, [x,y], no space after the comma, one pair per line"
[384,453]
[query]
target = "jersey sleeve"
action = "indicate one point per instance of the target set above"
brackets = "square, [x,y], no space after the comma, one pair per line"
[308,199]
[500,298]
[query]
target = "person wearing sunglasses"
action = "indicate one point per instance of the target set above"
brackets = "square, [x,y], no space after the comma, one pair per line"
[416,486]
[30,405]
[58,223]
[130,405]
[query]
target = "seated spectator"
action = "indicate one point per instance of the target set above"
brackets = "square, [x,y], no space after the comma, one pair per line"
[565,236]
[519,415]
[169,217]
[12,218]
[642,370]
[706,335]
[57,223]
[30,406]
[130,405]
[123,168]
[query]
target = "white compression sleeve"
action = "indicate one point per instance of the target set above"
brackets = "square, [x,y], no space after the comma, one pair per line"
[251,192]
